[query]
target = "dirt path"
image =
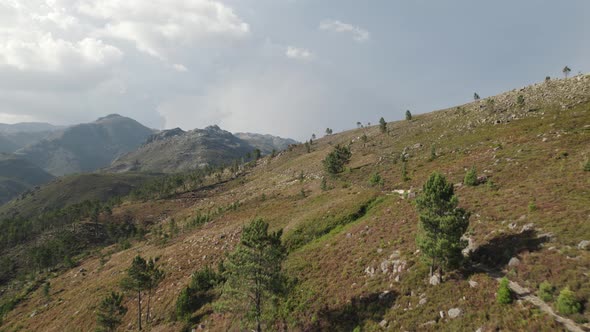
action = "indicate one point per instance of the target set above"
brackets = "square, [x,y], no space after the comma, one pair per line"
[525,294]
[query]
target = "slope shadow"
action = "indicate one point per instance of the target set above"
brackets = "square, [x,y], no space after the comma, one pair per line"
[366,307]
[498,251]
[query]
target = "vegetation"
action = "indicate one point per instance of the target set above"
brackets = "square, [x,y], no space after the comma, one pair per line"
[408,115]
[110,312]
[471,177]
[567,303]
[375,179]
[142,276]
[336,160]
[587,166]
[504,295]
[442,223]
[546,291]
[382,125]
[254,279]
[476,96]
[520,101]
[198,292]
[566,71]
[329,131]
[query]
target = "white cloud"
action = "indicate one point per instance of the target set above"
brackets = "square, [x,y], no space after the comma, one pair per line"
[359,34]
[159,27]
[299,53]
[180,68]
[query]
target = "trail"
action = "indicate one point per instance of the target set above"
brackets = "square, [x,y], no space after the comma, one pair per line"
[525,294]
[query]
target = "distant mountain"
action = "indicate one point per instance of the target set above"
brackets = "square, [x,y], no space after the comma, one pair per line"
[86,147]
[28,127]
[176,150]
[7,145]
[266,143]
[17,175]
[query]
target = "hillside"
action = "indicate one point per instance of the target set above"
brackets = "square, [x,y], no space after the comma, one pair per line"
[352,244]
[266,143]
[70,190]
[28,127]
[86,147]
[176,150]
[18,175]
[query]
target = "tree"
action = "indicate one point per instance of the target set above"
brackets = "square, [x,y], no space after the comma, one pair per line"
[155,276]
[408,115]
[358,124]
[329,131]
[335,160]
[382,125]
[257,153]
[520,100]
[253,273]
[566,71]
[198,292]
[110,311]
[313,136]
[471,177]
[475,96]
[442,223]
[137,280]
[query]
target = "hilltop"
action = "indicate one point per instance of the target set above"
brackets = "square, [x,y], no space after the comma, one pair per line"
[86,147]
[352,242]
[17,175]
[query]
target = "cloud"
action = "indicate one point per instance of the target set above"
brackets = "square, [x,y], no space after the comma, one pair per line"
[293,52]
[159,27]
[358,34]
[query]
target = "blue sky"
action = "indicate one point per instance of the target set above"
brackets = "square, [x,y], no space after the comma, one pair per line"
[284,67]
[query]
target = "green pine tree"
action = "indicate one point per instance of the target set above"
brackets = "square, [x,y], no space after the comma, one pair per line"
[408,115]
[442,223]
[382,125]
[110,311]
[335,160]
[254,280]
[137,280]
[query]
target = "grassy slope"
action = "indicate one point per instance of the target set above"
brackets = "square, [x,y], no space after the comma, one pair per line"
[524,157]
[72,189]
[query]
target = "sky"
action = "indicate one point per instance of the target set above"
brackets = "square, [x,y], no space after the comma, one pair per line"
[283,67]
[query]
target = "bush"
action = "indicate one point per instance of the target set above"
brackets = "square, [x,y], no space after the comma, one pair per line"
[520,100]
[545,291]
[504,295]
[198,292]
[587,166]
[471,177]
[335,161]
[375,179]
[567,303]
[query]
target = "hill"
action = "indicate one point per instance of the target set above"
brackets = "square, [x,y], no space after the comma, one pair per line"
[87,147]
[18,175]
[176,150]
[28,127]
[266,143]
[351,241]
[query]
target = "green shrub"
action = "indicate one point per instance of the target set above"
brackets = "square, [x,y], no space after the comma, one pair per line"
[471,177]
[335,160]
[545,291]
[567,303]
[520,100]
[532,206]
[587,166]
[504,295]
[375,179]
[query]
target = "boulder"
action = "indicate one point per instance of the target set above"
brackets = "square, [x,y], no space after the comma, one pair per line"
[435,280]
[514,262]
[583,245]
[383,323]
[454,313]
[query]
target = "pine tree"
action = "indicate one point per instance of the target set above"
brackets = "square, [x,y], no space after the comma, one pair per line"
[110,311]
[566,71]
[335,160]
[382,125]
[253,273]
[137,280]
[475,96]
[442,223]
[155,276]
[408,115]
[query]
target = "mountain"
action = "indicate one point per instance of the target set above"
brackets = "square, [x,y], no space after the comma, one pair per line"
[7,145]
[18,175]
[86,147]
[28,127]
[177,150]
[266,143]
[352,258]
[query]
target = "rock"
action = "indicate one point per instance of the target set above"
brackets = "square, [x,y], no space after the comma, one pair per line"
[442,314]
[383,323]
[528,227]
[454,313]
[473,283]
[512,225]
[348,235]
[384,295]
[385,266]
[370,271]
[514,262]
[429,323]
[583,245]
[423,301]
[435,280]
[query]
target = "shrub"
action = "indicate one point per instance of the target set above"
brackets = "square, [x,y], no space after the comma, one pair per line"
[567,303]
[324,184]
[405,176]
[382,125]
[335,160]
[532,206]
[375,179]
[471,177]
[504,295]
[408,115]
[587,166]
[545,291]
[520,100]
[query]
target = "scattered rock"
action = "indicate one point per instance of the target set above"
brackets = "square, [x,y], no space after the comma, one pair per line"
[435,280]
[454,313]
[528,227]
[423,301]
[512,225]
[514,262]
[370,271]
[473,283]
[583,245]
[383,323]
[429,323]
[442,314]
